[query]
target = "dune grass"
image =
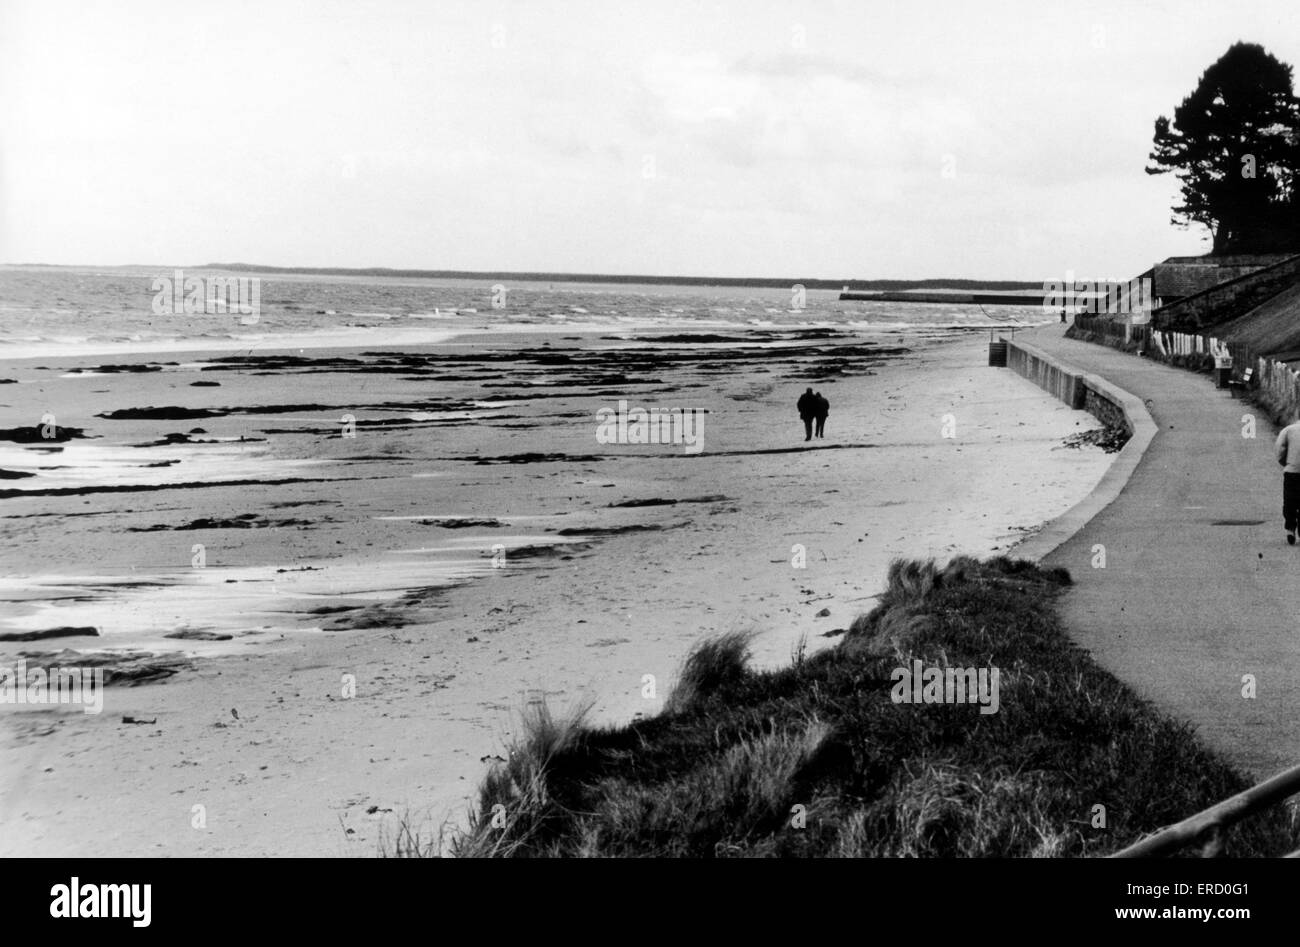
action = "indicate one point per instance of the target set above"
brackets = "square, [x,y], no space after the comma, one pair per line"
[817,760]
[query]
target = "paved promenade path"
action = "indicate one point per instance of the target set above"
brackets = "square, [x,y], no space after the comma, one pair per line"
[1199,587]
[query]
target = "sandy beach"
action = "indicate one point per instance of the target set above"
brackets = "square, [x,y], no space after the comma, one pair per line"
[331,559]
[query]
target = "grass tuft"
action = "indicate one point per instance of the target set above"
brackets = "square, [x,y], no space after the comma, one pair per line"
[518,804]
[409,839]
[711,667]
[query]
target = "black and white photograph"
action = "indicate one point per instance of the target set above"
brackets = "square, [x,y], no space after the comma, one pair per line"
[787,429]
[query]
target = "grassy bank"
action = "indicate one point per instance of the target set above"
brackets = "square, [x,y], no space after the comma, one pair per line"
[818,760]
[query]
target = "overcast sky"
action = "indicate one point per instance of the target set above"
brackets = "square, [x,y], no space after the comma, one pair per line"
[860,139]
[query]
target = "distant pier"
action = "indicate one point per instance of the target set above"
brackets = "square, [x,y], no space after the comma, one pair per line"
[990,299]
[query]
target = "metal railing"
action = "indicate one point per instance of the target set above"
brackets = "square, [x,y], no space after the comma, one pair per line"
[1209,828]
[1100,325]
[1275,381]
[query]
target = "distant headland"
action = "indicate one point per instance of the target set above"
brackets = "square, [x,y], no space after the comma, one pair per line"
[884,285]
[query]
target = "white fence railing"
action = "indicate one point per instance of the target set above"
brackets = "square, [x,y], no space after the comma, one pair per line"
[1275,385]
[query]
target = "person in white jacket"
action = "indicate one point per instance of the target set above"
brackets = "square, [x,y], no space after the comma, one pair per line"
[1288,455]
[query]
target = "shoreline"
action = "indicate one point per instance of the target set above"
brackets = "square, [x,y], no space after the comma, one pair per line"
[438,697]
[388,336]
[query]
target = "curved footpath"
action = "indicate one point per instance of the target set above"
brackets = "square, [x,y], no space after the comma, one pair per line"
[1199,587]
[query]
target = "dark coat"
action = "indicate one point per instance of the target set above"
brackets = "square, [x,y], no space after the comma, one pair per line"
[821,406]
[807,405]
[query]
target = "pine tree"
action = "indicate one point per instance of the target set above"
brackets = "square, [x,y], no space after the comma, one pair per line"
[1234,144]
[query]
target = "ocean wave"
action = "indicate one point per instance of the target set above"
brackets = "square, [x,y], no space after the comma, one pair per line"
[111,312]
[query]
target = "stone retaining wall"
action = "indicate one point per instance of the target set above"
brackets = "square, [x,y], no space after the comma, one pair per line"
[1077,389]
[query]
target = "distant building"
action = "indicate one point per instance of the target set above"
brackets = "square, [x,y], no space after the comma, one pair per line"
[1171,281]
[1182,276]
[1247,300]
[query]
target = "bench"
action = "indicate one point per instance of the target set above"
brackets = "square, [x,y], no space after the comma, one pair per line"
[1243,383]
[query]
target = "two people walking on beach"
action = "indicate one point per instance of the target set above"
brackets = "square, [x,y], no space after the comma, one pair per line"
[1288,455]
[814,407]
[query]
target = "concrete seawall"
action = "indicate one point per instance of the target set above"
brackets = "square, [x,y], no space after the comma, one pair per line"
[1046,372]
[1076,388]
[1106,402]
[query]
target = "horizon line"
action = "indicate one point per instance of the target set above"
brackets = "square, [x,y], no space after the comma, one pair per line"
[560,276]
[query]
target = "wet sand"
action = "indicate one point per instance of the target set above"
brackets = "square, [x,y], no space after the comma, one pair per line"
[471,548]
